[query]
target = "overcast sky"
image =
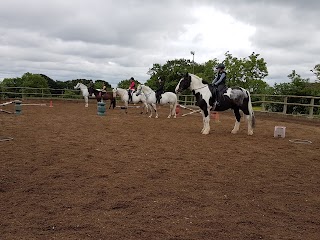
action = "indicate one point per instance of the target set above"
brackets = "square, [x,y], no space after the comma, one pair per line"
[116,40]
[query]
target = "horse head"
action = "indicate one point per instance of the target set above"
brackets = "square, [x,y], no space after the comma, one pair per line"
[184,83]
[77,86]
[139,89]
[91,90]
[114,92]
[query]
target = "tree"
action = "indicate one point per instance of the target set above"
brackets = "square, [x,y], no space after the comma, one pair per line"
[12,82]
[246,72]
[99,84]
[298,86]
[11,85]
[316,71]
[34,81]
[171,71]
[208,72]
[30,80]
[243,72]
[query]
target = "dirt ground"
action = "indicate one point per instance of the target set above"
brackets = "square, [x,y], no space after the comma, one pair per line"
[71,174]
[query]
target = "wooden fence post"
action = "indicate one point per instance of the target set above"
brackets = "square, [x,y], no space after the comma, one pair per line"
[285,105]
[263,105]
[311,108]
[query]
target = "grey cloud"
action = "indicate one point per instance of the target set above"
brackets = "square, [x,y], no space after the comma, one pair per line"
[76,39]
[286,33]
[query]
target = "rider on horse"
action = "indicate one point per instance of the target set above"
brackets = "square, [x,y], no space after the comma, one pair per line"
[91,84]
[131,88]
[160,89]
[219,83]
[104,90]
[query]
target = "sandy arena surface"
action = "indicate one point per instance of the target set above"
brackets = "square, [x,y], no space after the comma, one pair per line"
[71,174]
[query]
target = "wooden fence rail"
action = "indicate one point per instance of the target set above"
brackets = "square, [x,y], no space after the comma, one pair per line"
[303,105]
[266,105]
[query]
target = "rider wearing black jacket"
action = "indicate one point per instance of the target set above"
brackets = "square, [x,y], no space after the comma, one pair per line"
[220,81]
[160,89]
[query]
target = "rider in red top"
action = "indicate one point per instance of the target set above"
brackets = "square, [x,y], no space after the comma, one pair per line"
[131,88]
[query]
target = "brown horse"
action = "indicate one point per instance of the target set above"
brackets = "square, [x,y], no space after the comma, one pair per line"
[105,96]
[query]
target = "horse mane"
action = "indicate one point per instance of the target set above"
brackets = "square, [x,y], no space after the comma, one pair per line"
[147,87]
[198,78]
[94,90]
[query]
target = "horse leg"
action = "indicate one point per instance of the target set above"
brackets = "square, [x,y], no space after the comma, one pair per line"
[174,113]
[126,107]
[237,123]
[203,118]
[151,107]
[111,102]
[154,106]
[155,109]
[147,107]
[144,106]
[250,124]
[248,111]
[206,121]
[170,111]
[86,102]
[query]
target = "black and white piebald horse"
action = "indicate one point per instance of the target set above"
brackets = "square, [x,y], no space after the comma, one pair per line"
[232,98]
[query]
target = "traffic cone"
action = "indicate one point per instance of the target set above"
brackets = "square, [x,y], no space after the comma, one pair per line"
[177,109]
[51,104]
[215,116]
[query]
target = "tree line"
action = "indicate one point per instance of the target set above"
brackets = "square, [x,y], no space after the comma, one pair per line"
[248,72]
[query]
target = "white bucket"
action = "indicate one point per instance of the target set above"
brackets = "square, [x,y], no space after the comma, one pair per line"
[279,131]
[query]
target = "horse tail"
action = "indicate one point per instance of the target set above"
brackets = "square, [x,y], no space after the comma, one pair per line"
[250,109]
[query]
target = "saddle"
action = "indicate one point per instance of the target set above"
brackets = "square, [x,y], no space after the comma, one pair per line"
[101,93]
[218,91]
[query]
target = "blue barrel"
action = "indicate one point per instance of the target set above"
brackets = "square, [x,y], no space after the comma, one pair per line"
[18,107]
[101,108]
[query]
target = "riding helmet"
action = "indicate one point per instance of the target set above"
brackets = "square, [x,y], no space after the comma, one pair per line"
[221,65]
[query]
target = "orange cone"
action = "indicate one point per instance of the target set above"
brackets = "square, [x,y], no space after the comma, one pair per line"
[215,116]
[51,104]
[177,109]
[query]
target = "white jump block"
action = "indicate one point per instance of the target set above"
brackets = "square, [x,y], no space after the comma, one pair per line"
[279,132]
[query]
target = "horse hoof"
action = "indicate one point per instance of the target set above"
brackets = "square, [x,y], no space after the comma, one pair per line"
[205,132]
[250,133]
[234,132]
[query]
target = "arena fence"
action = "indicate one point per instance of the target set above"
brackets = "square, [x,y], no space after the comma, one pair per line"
[308,106]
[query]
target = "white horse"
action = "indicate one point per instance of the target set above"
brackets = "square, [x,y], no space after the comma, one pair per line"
[166,98]
[85,92]
[233,98]
[123,93]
